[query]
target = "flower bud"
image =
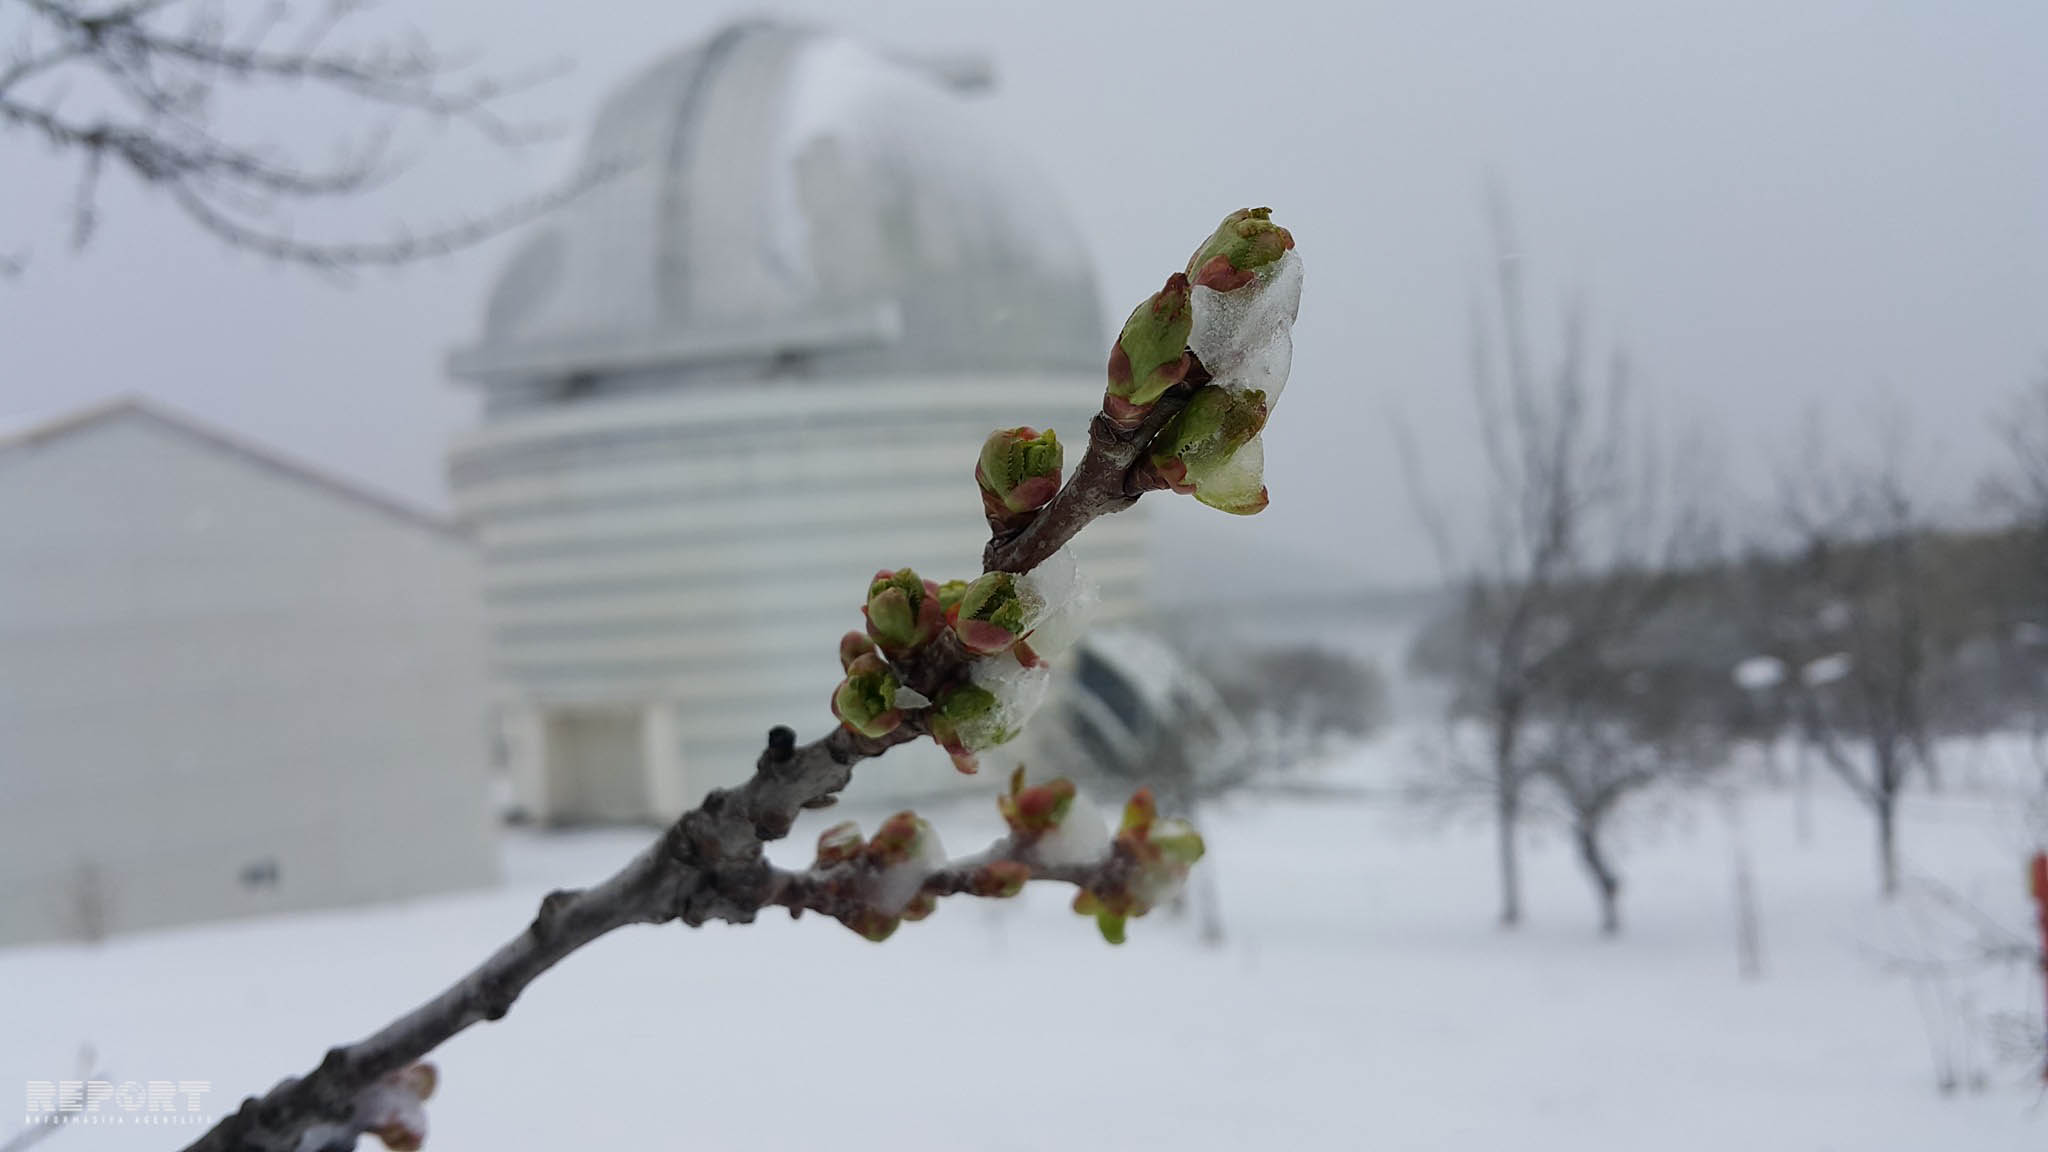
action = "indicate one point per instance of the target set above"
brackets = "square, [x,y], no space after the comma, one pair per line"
[958,723]
[871,924]
[1019,471]
[1244,243]
[999,879]
[991,615]
[866,700]
[853,646]
[896,840]
[1150,354]
[903,611]
[839,844]
[1211,449]
[1034,811]
[1139,812]
[950,594]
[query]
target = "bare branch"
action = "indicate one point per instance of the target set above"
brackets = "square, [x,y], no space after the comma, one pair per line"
[166,77]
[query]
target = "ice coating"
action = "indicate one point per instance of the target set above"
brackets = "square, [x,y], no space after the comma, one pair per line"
[1246,338]
[1082,838]
[892,888]
[1018,691]
[1058,600]
[1239,481]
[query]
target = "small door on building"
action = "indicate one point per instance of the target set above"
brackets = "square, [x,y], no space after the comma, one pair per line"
[595,766]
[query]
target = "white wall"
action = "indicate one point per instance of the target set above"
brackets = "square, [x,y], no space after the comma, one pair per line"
[207,663]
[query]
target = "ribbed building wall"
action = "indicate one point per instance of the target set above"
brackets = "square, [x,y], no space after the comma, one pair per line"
[701,551]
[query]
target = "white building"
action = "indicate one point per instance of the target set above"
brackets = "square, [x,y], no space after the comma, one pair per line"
[724,388]
[228,684]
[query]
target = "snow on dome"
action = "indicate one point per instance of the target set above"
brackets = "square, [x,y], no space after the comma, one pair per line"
[778,192]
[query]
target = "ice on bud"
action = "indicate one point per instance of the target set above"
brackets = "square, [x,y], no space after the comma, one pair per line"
[1154,857]
[1018,688]
[1019,471]
[1211,448]
[1232,256]
[866,700]
[393,1108]
[853,646]
[1079,839]
[1150,355]
[991,615]
[905,850]
[1060,600]
[1245,338]
[902,610]
[838,845]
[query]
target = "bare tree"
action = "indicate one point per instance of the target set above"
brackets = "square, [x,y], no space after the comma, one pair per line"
[1567,473]
[141,88]
[1617,709]
[1854,614]
[2017,572]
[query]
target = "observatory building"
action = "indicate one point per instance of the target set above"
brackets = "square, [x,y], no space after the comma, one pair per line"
[230,684]
[724,387]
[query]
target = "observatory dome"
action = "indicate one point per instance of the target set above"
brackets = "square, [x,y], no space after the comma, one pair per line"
[735,379]
[779,194]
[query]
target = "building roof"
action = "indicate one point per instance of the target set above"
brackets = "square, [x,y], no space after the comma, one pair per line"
[780,193]
[30,436]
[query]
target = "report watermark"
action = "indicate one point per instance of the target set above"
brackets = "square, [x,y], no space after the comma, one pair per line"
[117,1103]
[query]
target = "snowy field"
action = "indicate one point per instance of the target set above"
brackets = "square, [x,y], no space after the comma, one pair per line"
[1363,1000]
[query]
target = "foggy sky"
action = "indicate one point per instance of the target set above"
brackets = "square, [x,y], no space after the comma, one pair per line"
[1773,207]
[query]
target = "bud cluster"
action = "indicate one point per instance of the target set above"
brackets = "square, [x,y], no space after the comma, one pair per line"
[1150,861]
[1245,291]
[884,876]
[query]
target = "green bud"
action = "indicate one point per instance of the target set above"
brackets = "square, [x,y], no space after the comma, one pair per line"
[949,597]
[1019,471]
[866,700]
[1111,925]
[1244,243]
[1211,449]
[903,611]
[991,614]
[1150,355]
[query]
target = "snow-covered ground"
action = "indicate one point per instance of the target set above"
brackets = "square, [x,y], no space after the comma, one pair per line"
[1362,1000]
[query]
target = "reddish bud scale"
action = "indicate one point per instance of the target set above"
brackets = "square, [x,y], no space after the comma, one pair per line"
[839,844]
[999,879]
[895,841]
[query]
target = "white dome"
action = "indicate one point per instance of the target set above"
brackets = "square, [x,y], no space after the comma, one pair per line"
[784,195]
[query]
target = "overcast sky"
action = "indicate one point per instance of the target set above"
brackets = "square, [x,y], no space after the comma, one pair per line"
[1773,207]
